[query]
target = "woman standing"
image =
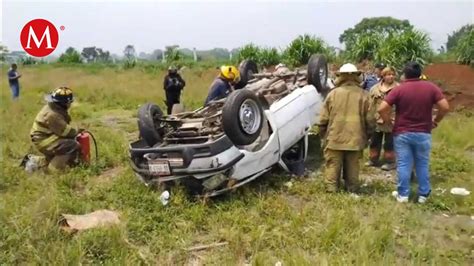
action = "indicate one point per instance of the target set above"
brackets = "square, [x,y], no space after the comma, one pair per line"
[383,132]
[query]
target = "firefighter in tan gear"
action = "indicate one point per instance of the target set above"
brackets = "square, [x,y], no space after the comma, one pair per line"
[52,134]
[344,126]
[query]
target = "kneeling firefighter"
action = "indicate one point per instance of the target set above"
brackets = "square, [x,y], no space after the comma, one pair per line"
[52,134]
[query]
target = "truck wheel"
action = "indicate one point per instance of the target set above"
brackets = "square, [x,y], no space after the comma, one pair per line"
[246,68]
[318,72]
[148,124]
[242,117]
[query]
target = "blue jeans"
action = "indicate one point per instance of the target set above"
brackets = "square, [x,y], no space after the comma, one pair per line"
[413,147]
[15,90]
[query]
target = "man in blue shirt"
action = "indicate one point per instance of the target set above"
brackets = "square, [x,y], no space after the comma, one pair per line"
[222,85]
[372,79]
[13,77]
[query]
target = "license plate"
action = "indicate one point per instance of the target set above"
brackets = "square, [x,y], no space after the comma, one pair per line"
[159,167]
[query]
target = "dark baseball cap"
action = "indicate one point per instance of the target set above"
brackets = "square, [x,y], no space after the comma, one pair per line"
[380,65]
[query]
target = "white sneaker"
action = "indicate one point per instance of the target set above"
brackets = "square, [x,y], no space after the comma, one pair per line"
[354,196]
[399,198]
[422,199]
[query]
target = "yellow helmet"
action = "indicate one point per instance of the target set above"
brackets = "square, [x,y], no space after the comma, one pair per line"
[230,73]
[423,77]
[61,95]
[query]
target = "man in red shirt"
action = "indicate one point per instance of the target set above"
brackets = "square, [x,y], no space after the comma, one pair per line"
[414,100]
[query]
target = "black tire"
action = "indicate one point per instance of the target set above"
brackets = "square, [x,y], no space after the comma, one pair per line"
[149,129]
[294,158]
[246,68]
[318,72]
[231,121]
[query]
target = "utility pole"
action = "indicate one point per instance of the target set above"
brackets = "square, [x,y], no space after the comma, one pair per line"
[195,54]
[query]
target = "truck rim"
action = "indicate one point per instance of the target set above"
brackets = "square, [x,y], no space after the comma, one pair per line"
[249,116]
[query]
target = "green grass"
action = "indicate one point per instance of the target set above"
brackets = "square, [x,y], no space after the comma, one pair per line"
[263,222]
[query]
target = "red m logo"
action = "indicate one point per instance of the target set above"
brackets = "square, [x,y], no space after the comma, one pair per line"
[32,35]
[39,37]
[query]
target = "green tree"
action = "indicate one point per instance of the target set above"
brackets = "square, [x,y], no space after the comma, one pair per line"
[454,38]
[3,52]
[130,56]
[365,47]
[401,47]
[102,55]
[70,56]
[219,53]
[360,39]
[173,54]
[89,53]
[28,60]
[129,52]
[387,40]
[300,49]
[464,49]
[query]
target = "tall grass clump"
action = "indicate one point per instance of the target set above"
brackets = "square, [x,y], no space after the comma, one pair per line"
[300,49]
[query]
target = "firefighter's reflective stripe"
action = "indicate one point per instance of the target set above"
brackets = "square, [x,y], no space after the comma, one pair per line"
[47,141]
[37,127]
[66,131]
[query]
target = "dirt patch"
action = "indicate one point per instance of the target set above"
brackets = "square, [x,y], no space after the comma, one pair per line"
[457,82]
[375,174]
[108,175]
[453,231]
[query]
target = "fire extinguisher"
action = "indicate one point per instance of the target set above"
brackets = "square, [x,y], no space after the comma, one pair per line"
[83,139]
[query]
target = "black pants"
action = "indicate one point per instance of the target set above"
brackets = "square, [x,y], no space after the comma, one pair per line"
[171,99]
[376,142]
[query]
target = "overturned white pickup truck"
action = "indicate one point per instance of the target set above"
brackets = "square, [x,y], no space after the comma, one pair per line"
[232,141]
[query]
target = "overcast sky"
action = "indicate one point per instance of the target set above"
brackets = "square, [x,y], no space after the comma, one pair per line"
[227,24]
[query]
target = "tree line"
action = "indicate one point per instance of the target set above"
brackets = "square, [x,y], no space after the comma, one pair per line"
[384,39]
[381,39]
